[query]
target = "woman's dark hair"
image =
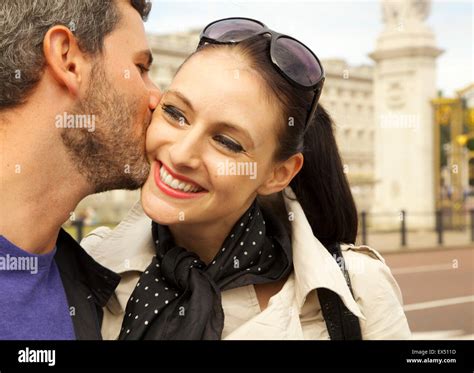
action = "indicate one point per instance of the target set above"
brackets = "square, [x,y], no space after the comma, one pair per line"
[321,186]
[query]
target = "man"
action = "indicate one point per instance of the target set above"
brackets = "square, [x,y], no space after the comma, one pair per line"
[75,102]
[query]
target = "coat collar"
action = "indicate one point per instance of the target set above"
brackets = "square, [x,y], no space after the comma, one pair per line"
[130,246]
[313,264]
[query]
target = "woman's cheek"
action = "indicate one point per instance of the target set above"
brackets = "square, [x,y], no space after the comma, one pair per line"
[156,135]
[150,137]
[232,186]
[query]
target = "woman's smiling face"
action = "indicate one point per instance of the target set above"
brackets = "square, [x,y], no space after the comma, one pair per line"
[211,142]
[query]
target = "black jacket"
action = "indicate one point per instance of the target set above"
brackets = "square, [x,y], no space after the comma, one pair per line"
[88,286]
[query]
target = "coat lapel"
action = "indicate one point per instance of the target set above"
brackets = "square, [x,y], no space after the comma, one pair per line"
[279,321]
[314,267]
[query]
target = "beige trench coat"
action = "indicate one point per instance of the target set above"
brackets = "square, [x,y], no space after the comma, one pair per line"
[294,312]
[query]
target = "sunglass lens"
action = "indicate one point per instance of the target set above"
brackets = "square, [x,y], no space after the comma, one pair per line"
[232,30]
[297,61]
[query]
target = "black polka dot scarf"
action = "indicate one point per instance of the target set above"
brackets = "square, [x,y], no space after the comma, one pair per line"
[178,297]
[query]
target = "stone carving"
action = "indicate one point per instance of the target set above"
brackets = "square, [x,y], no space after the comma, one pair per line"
[396,12]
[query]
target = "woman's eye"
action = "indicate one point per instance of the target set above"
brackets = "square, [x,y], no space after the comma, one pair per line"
[229,144]
[174,114]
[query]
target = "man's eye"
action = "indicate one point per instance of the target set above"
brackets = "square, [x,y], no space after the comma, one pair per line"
[143,69]
[174,114]
[229,144]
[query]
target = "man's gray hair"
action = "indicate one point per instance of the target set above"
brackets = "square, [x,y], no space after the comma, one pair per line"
[23,25]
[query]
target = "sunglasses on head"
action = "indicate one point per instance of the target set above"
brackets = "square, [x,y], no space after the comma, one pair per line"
[292,59]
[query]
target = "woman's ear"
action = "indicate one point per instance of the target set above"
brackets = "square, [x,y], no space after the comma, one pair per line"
[282,175]
[63,57]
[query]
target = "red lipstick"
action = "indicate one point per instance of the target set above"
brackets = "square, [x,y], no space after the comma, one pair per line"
[173,192]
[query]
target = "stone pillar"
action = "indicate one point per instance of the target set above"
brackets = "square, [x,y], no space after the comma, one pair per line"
[404,83]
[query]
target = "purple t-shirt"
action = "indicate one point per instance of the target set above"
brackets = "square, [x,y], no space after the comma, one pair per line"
[33,302]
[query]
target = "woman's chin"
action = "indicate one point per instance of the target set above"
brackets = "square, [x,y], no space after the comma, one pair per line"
[159,209]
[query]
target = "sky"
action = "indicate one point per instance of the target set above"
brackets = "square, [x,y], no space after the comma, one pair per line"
[335,29]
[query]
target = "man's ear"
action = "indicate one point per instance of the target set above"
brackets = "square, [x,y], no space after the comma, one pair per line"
[63,57]
[282,175]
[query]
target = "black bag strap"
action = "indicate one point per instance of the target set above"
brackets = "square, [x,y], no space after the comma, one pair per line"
[341,323]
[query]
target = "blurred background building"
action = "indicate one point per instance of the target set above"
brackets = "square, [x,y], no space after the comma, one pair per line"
[385,120]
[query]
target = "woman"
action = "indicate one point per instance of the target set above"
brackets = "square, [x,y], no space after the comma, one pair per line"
[246,192]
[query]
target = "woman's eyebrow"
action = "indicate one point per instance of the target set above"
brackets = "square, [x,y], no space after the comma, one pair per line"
[181,97]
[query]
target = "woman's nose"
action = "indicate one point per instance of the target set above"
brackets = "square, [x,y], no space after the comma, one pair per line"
[186,151]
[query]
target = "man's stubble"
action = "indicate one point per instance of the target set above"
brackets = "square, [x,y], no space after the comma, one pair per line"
[113,156]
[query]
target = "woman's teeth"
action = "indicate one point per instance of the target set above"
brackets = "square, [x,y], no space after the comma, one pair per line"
[177,184]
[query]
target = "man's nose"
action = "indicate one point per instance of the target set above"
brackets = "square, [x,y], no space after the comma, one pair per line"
[155,96]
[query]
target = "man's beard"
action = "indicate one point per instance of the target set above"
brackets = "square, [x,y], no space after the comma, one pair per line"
[113,156]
